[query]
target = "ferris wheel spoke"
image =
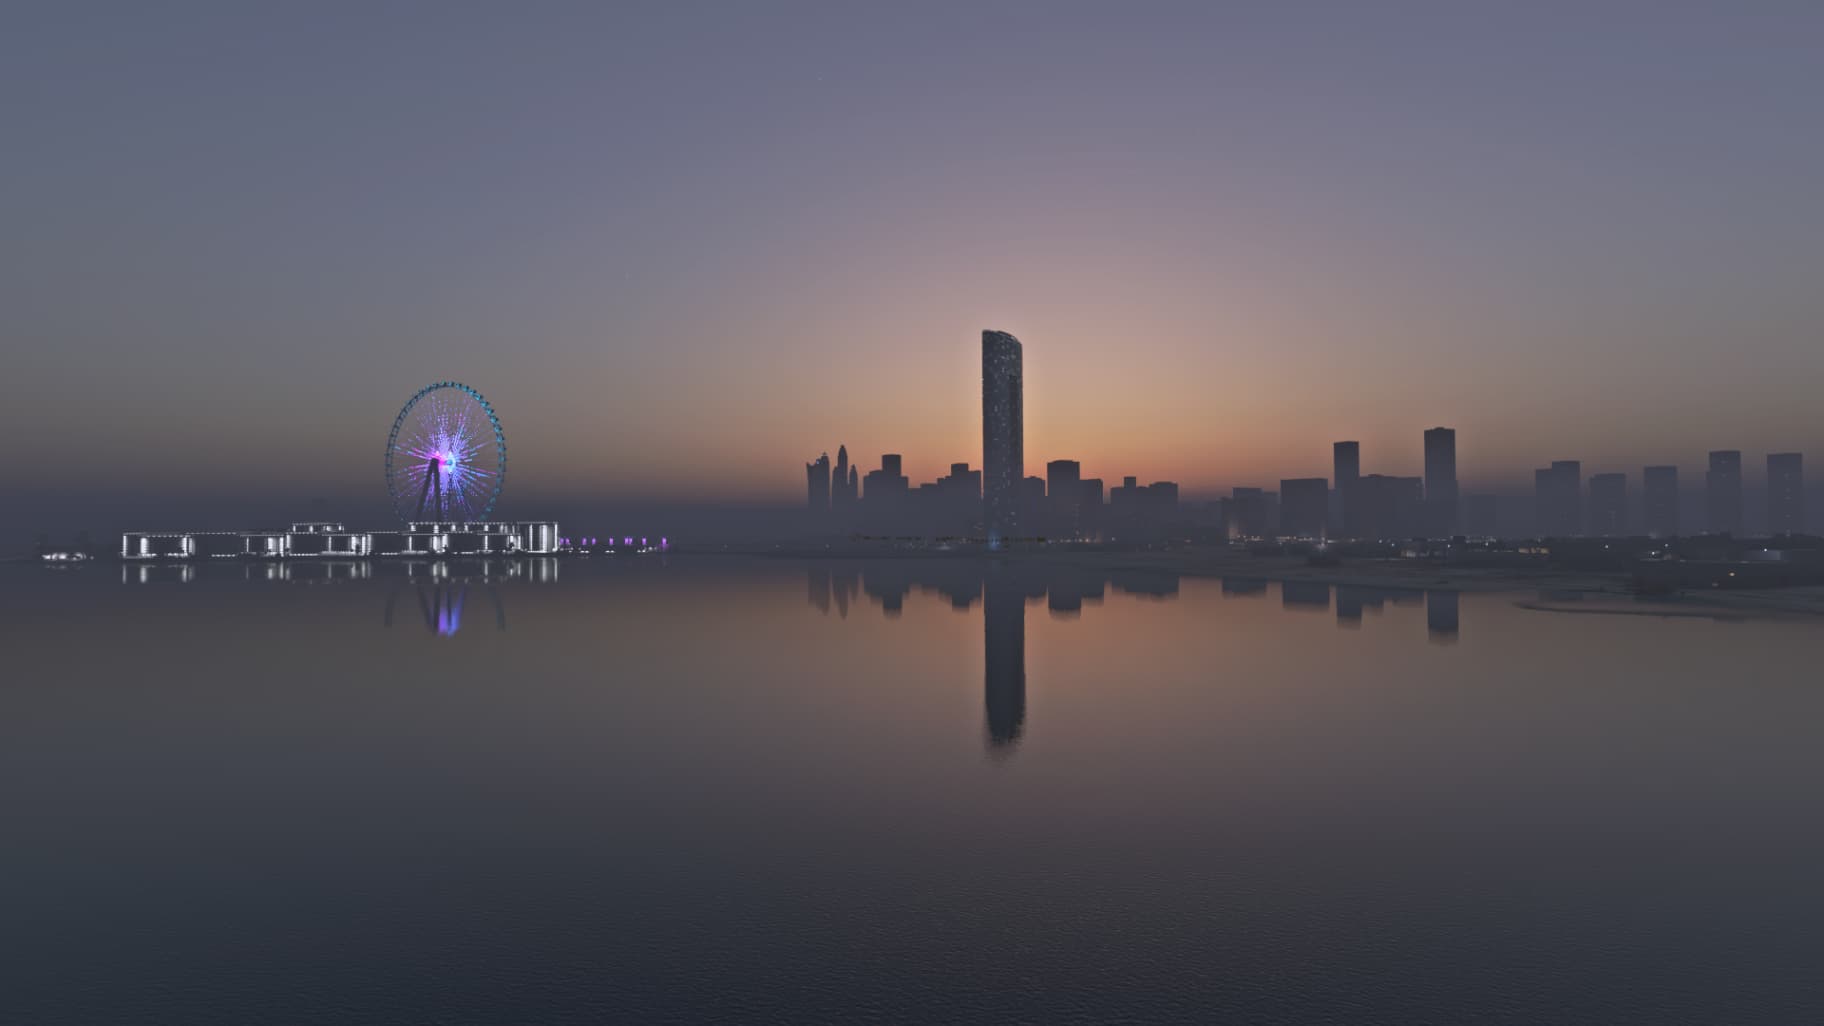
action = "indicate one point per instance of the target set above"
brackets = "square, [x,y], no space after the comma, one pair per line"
[446,443]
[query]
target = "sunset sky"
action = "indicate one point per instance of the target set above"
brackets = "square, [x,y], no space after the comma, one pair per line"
[685,248]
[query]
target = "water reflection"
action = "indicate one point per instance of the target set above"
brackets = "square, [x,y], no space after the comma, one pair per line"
[1305,595]
[1004,656]
[440,605]
[1004,589]
[1441,617]
[1008,587]
[538,570]
[157,573]
[1243,587]
[441,589]
[1178,761]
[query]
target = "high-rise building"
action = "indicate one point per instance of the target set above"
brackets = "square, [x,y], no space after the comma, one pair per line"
[1064,484]
[884,493]
[1124,497]
[1723,493]
[1659,501]
[817,474]
[1346,459]
[1248,514]
[953,502]
[1609,505]
[1482,515]
[1304,507]
[1558,493]
[1391,508]
[842,484]
[1441,483]
[1089,512]
[1032,497]
[1785,493]
[1003,436]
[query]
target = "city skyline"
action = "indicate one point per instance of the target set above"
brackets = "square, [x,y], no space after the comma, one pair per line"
[1239,237]
[998,503]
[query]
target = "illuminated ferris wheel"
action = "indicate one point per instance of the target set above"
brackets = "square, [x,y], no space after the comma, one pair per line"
[446,456]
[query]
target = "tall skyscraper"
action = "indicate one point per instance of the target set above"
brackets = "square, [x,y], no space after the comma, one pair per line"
[817,474]
[843,484]
[1723,492]
[1785,493]
[1609,505]
[1346,459]
[1441,483]
[1659,497]
[1003,436]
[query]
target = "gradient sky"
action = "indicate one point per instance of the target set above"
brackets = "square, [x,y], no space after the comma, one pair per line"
[684,248]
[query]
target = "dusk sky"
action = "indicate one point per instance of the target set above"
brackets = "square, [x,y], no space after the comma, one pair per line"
[685,248]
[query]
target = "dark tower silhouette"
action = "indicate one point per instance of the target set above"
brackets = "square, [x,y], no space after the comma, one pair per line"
[1064,485]
[1558,492]
[817,473]
[1659,499]
[1304,507]
[1441,483]
[1785,493]
[1723,493]
[1003,436]
[1346,472]
[842,484]
[1609,505]
[1004,656]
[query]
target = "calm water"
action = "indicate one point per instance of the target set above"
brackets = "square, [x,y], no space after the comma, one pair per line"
[751,791]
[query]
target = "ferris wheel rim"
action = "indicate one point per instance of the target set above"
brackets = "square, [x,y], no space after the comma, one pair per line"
[498,474]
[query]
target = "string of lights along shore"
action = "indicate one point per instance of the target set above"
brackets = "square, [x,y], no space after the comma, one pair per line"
[1000,504]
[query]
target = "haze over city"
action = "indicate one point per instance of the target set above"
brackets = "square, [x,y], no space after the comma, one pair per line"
[682,252]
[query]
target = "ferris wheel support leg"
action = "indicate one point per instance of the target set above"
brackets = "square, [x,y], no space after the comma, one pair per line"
[430,477]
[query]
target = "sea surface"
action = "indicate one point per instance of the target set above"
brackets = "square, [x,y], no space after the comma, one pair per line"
[712,789]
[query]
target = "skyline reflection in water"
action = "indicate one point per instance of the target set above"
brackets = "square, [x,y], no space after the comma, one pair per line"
[700,789]
[1006,587]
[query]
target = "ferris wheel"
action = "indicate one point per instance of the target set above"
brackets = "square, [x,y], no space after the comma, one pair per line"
[446,456]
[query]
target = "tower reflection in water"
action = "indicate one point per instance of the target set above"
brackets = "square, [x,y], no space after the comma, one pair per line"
[1004,588]
[1004,656]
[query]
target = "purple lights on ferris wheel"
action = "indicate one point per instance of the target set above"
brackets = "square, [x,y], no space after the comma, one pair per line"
[446,457]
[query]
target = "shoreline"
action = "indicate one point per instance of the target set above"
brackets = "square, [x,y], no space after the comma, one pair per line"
[1394,575]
